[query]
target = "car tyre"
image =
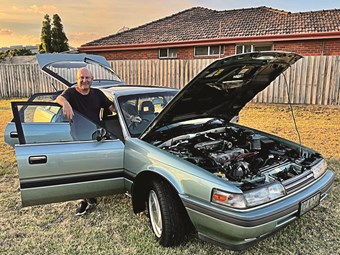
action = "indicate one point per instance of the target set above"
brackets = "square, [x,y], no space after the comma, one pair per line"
[167,215]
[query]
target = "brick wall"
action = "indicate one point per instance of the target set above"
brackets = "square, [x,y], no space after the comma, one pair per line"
[305,48]
[182,53]
[311,48]
[185,53]
[332,47]
[130,54]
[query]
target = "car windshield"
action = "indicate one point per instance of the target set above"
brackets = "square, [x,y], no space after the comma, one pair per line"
[141,109]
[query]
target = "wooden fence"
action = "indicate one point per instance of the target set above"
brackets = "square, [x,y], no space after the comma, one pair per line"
[312,80]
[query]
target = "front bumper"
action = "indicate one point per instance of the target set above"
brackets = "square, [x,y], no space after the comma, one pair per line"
[240,229]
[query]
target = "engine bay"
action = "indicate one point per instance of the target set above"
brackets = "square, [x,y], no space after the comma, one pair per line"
[241,156]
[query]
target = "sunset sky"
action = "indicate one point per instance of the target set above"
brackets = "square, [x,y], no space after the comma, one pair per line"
[86,20]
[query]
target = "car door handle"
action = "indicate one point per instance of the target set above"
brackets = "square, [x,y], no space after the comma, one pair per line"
[42,159]
[13,134]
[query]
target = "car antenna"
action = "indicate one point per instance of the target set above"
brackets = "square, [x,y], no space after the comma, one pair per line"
[55,88]
[292,112]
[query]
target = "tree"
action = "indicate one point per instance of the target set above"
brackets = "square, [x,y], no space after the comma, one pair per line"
[59,39]
[53,38]
[14,52]
[45,46]
[22,52]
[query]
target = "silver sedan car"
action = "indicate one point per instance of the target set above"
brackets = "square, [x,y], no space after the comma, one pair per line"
[187,163]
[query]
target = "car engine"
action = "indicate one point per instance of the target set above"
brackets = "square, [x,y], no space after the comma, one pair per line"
[241,156]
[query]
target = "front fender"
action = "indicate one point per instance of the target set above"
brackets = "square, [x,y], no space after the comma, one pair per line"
[144,161]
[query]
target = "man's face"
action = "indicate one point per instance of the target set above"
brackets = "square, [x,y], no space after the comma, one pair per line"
[84,79]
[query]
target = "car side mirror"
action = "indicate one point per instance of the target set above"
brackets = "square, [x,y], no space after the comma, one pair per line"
[100,134]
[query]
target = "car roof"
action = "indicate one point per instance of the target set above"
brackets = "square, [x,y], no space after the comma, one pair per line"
[122,90]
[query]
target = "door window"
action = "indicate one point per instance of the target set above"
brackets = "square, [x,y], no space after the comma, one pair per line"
[41,122]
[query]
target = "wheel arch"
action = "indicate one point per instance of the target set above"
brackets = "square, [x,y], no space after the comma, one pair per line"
[141,186]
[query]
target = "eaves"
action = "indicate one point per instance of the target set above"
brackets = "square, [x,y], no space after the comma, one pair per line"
[214,41]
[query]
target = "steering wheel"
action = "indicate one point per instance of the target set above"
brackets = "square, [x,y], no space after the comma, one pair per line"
[133,125]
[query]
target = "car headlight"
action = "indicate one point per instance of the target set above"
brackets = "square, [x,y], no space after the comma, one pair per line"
[249,198]
[264,194]
[319,168]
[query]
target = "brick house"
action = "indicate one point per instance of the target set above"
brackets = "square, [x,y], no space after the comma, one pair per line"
[204,33]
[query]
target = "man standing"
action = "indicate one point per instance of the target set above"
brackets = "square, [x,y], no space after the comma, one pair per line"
[87,101]
[83,98]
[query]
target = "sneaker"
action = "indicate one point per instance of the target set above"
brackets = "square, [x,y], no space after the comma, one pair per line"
[81,210]
[91,201]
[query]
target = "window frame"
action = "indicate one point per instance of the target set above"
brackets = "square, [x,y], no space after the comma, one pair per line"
[252,47]
[168,51]
[220,50]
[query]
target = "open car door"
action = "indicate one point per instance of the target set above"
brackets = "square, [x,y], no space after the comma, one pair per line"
[11,134]
[59,160]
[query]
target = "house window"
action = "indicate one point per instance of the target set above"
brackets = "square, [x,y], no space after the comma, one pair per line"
[244,48]
[168,53]
[209,50]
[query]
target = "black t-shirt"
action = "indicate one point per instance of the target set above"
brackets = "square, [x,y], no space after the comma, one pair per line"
[88,105]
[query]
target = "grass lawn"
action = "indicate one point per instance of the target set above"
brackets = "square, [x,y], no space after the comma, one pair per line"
[112,228]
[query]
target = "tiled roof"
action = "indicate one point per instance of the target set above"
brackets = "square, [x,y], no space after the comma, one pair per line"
[201,23]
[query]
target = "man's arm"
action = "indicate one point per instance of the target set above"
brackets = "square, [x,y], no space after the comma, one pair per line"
[67,108]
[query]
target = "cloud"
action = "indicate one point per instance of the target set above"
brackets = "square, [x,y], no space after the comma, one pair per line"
[17,39]
[5,32]
[25,14]
[79,38]
[108,17]
[34,9]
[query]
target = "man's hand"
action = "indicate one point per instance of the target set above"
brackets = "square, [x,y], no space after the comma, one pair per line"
[135,119]
[68,111]
[67,108]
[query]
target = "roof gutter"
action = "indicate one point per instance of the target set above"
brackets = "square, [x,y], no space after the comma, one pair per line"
[225,40]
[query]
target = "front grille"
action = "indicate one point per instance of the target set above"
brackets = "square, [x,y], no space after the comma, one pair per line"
[293,184]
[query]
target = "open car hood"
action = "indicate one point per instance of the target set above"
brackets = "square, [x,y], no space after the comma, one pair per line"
[223,88]
[63,67]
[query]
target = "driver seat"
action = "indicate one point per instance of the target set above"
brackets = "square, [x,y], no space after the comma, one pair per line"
[147,110]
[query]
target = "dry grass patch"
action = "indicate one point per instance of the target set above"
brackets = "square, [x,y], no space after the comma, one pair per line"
[319,126]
